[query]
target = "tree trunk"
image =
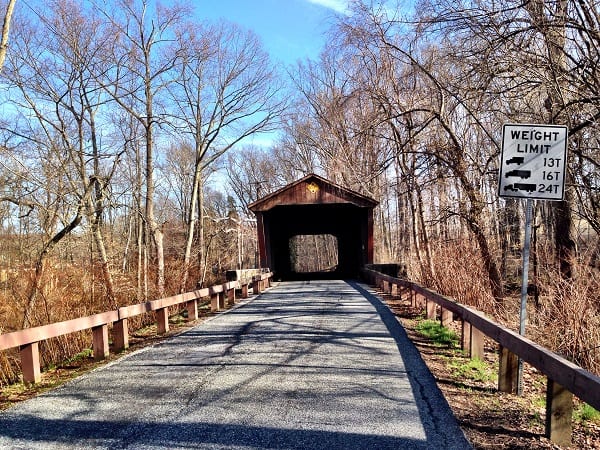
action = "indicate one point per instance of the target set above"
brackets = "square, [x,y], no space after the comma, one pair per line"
[202,253]
[475,226]
[566,248]
[5,31]
[41,264]
[194,200]
[430,274]
[106,274]
[554,32]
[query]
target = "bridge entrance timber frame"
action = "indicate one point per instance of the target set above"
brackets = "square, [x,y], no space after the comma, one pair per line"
[313,206]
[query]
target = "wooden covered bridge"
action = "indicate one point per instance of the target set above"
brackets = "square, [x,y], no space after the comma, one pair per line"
[314,206]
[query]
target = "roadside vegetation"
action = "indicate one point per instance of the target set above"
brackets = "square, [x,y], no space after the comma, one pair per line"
[438,334]
[490,419]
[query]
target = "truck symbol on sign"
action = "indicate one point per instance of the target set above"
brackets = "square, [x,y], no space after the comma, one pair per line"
[516,160]
[518,173]
[520,187]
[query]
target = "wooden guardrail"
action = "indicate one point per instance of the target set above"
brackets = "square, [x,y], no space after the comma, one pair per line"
[28,339]
[563,377]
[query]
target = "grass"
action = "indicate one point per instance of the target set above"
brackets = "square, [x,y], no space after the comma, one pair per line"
[586,413]
[439,335]
[82,355]
[473,369]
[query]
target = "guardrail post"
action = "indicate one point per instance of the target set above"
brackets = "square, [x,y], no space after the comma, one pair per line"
[395,289]
[30,363]
[476,348]
[465,336]
[385,286]
[431,309]
[508,371]
[446,317]
[192,310]
[559,411]
[222,299]
[214,302]
[245,290]
[420,300]
[120,333]
[400,292]
[100,342]
[231,296]
[472,340]
[256,285]
[162,319]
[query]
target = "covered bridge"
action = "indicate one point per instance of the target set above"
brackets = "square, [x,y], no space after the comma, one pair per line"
[315,206]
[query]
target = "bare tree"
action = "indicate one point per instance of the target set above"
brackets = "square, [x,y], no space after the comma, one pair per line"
[57,100]
[225,91]
[10,7]
[144,59]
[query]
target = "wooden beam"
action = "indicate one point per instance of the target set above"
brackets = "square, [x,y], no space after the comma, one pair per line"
[37,334]
[214,302]
[100,342]
[120,333]
[192,310]
[446,317]
[162,319]
[431,308]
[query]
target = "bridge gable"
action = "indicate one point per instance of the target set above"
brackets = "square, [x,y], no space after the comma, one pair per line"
[311,190]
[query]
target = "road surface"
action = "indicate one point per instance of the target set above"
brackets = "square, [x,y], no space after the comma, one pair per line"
[306,365]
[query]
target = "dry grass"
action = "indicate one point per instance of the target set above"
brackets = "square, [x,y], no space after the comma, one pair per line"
[68,292]
[569,308]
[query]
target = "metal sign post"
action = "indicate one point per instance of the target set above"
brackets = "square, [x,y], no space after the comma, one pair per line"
[524,286]
[533,165]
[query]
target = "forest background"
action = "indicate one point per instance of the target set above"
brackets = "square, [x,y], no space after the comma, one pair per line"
[125,172]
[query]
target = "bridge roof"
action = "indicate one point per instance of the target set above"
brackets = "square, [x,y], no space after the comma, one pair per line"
[312,190]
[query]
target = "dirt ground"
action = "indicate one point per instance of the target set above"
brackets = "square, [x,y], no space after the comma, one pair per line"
[490,419]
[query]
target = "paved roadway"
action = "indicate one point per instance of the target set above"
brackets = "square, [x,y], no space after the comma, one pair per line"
[306,365]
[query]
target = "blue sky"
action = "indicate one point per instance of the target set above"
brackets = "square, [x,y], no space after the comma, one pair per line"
[290,29]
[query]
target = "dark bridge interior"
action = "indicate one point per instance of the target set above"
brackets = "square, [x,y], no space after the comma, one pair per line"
[314,206]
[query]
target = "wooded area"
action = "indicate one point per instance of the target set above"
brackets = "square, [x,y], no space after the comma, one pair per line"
[126,175]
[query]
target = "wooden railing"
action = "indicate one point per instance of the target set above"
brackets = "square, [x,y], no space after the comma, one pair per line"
[563,377]
[28,339]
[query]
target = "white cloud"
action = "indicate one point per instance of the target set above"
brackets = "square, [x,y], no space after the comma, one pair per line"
[340,6]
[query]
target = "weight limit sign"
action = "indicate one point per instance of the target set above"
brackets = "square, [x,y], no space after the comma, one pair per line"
[533,161]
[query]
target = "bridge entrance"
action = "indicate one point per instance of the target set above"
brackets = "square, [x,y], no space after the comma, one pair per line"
[314,207]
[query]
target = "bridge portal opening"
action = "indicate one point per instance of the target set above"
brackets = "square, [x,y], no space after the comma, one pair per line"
[313,206]
[313,253]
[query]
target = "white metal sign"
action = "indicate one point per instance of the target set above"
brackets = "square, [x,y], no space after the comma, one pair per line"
[533,161]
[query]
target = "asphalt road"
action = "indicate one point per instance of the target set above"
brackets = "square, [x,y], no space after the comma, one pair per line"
[306,365]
